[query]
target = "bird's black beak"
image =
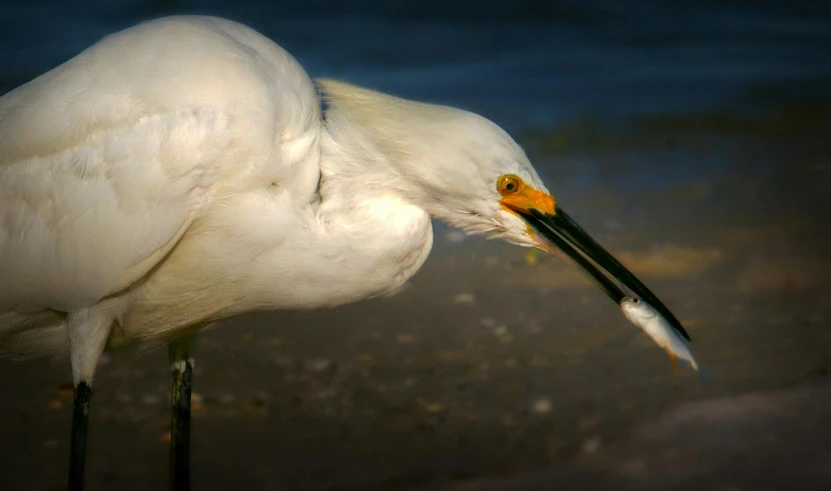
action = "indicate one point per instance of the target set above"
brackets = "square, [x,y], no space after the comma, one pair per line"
[564,233]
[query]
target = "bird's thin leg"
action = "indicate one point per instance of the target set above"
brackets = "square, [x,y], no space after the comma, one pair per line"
[181,369]
[88,333]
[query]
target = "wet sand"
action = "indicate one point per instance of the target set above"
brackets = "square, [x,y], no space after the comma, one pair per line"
[494,363]
[763,440]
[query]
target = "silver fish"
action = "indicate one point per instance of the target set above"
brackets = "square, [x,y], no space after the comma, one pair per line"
[644,316]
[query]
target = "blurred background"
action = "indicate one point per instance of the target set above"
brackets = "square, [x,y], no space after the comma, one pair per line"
[691,138]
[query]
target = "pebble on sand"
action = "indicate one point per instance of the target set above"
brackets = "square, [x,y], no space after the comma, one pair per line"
[197,402]
[433,407]
[65,392]
[318,365]
[591,445]
[404,339]
[542,405]
[468,298]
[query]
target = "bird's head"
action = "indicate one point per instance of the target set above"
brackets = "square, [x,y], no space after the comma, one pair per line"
[468,172]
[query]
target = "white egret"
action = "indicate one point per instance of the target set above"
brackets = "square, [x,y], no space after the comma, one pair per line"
[184,170]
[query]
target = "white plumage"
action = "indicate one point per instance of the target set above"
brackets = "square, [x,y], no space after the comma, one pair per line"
[172,171]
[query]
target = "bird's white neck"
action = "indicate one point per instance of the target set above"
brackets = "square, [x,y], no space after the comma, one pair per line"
[376,144]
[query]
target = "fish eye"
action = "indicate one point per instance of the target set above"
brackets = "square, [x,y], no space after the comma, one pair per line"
[636,300]
[509,185]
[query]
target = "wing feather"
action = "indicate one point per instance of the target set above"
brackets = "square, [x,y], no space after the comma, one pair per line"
[106,160]
[88,221]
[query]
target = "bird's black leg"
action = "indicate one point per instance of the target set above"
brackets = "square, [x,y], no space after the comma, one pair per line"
[88,333]
[78,446]
[181,368]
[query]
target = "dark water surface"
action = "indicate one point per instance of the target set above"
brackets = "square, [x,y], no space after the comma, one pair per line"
[691,138]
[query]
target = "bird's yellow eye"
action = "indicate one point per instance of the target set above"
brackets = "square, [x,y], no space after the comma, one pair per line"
[509,185]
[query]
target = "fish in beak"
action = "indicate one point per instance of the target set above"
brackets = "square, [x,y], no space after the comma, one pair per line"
[553,225]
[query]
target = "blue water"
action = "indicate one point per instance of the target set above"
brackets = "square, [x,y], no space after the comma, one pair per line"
[523,64]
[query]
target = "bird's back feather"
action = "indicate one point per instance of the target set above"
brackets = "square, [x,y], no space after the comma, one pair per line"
[106,161]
